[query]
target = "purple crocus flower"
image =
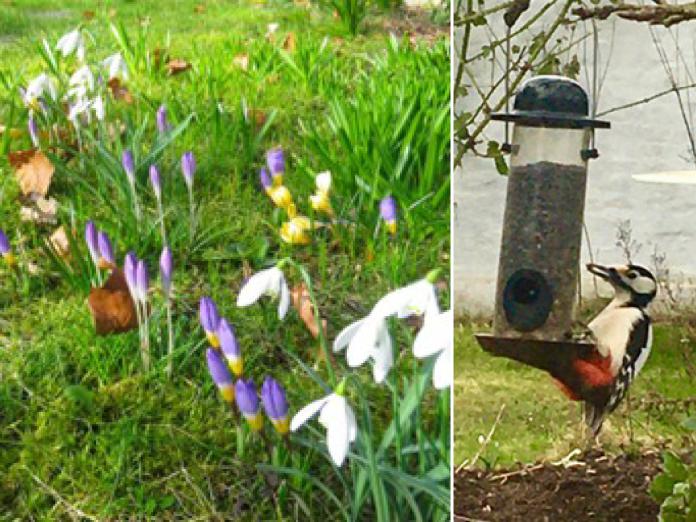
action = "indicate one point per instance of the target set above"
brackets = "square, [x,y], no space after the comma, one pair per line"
[220,374]
[162,121]
[188,168]
[248,403]
[276,405]
[92,241]
[142,281]
[130,268]
[128,165]
[166,269]
[210,320]
[6,249]
[106,251]
[156,181]
[230,347]
[33,131]
[265,178]
[276,162]
[4,243]
[387,209]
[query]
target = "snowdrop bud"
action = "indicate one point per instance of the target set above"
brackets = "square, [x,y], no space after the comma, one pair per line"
[188,168]
[128,165]
[106,251]
[162,121]
[92,241]
[220,374]
[33,131]
[155,181]
[387,210]
[210,320]
[166,269]
[275,404]
[248,403]
[142,281]
[230,347]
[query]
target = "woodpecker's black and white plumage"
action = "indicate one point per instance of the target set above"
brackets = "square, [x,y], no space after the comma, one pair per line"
[623,336]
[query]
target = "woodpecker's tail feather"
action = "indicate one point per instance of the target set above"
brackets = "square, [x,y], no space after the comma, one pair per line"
[594,418]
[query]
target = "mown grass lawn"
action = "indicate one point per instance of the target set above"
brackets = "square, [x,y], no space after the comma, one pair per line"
[538,423]
[84,432]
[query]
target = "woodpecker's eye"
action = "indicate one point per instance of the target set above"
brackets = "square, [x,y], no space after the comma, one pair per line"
[631,275]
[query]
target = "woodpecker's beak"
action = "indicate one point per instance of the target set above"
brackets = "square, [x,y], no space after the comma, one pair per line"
[608,273]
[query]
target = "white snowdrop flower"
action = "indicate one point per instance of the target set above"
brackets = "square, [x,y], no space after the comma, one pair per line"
[37,87]
[323,181]
[82,77]
[116,66]
[79,110]
[336,415]
[270,282]
[98,108]
[369,337]
[70,43]
[435,338]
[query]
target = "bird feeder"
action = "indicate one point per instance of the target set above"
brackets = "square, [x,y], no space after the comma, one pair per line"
[542,229]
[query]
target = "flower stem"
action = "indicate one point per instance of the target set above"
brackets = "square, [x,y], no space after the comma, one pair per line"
[192,214]
[317,318]
[160,212]
[170,332]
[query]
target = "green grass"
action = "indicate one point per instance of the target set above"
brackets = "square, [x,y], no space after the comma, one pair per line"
[538,423]
[82,429]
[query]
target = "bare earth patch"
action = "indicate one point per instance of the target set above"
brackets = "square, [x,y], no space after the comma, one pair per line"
[598,488]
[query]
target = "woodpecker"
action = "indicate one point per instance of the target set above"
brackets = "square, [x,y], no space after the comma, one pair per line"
[623,336]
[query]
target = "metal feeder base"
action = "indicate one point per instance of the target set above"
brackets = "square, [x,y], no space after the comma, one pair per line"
[554,357]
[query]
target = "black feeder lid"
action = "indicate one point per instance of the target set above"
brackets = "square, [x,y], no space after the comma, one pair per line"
[551,101]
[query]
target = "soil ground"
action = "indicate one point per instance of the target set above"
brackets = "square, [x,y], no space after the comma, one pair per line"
[594,487]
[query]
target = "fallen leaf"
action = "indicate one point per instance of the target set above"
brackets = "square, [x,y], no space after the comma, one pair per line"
[59,242]
[271,29]
[199,9]
[88,15]
[160,56]
[303,304]
[43,211]
[119,91]
[289,42]
[33,171]
[112,306]
[258,116]
[177,66]
[241,61]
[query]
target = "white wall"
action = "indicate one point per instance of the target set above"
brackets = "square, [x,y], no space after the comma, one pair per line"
[647,138]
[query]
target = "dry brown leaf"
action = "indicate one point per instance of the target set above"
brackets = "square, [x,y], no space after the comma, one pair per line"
[289,43]
[119,91]
[33,171]
[59,242]
[258,116]
[241,61]
[303,304]
[112,306]
[177,66]
[88,15]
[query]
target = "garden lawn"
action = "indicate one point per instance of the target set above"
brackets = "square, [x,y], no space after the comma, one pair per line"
[537,422]
[83,431]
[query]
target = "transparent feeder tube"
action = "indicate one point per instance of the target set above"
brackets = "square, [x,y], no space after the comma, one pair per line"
[542,233]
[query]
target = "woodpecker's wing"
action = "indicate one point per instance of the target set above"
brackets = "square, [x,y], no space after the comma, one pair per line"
[636,354]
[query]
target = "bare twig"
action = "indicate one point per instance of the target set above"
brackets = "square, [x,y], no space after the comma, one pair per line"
[485,442]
